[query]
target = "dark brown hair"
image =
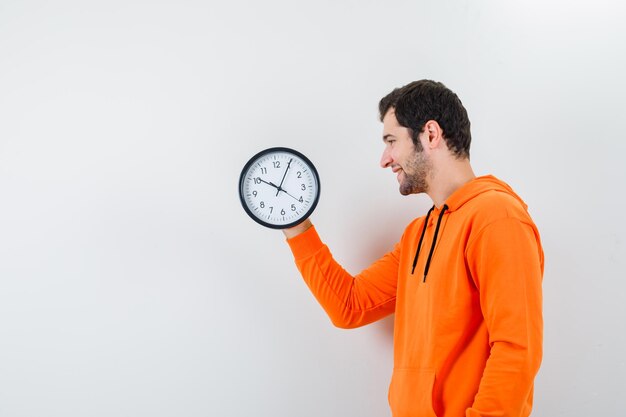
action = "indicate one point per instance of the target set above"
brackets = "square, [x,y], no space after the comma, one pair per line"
[420,101]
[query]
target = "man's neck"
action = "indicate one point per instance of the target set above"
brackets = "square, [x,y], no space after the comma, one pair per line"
[449,178]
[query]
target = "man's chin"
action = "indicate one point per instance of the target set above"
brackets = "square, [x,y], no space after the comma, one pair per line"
[411,189]
[404,190]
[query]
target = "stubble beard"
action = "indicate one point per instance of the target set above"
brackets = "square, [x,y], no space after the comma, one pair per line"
[416,170]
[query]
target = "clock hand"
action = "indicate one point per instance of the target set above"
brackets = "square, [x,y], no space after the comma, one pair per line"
[284,175]
[284,191]
[269,183]
[278,188]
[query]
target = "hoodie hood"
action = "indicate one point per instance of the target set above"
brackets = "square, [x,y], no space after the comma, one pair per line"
[477,186]
[465,193]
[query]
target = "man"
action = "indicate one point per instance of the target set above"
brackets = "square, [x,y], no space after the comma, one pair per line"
[464,281]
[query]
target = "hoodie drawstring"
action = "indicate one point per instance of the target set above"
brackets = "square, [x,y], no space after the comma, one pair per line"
[419,245]
[432,247]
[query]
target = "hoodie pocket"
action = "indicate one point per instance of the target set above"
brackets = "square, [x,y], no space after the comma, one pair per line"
[411,392]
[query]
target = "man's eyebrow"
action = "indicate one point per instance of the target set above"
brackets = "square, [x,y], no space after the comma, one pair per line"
[387,136]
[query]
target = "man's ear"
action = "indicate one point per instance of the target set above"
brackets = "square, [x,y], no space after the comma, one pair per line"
[434,134]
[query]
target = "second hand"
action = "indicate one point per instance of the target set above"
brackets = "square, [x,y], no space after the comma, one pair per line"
[279,189]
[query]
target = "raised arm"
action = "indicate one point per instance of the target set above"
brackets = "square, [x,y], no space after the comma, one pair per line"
[350,301]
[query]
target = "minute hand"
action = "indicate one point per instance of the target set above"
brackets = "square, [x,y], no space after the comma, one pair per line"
[283,180]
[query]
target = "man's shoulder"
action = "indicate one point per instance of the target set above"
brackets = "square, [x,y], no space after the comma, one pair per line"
[494,205]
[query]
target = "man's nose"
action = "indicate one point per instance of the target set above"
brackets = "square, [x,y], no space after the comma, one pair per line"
[385,159]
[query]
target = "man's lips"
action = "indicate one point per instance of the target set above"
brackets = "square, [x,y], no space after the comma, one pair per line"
[397,170]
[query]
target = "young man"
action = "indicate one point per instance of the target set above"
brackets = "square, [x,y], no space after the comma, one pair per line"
[464,281]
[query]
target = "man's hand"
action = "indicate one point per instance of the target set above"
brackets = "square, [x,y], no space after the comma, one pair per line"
[297,229]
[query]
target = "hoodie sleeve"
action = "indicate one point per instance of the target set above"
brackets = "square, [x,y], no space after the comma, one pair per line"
[350,301]
[506,263]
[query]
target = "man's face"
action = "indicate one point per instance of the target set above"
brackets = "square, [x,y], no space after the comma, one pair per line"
[411,165]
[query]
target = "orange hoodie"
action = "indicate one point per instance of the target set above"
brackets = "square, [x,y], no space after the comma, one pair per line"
[466,292]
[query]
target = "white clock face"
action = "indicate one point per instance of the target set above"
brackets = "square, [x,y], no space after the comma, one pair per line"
[279,188]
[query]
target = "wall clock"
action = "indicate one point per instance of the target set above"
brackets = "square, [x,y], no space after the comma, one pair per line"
[279,187]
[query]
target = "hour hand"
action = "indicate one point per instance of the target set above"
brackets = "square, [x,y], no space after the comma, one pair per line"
[278,189]
[269,183]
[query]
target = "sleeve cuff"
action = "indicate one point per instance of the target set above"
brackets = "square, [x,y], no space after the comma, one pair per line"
[306,244]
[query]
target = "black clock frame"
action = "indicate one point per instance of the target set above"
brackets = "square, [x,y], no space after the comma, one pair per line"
[252,161]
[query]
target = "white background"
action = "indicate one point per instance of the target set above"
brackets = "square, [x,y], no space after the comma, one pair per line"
[133,284]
